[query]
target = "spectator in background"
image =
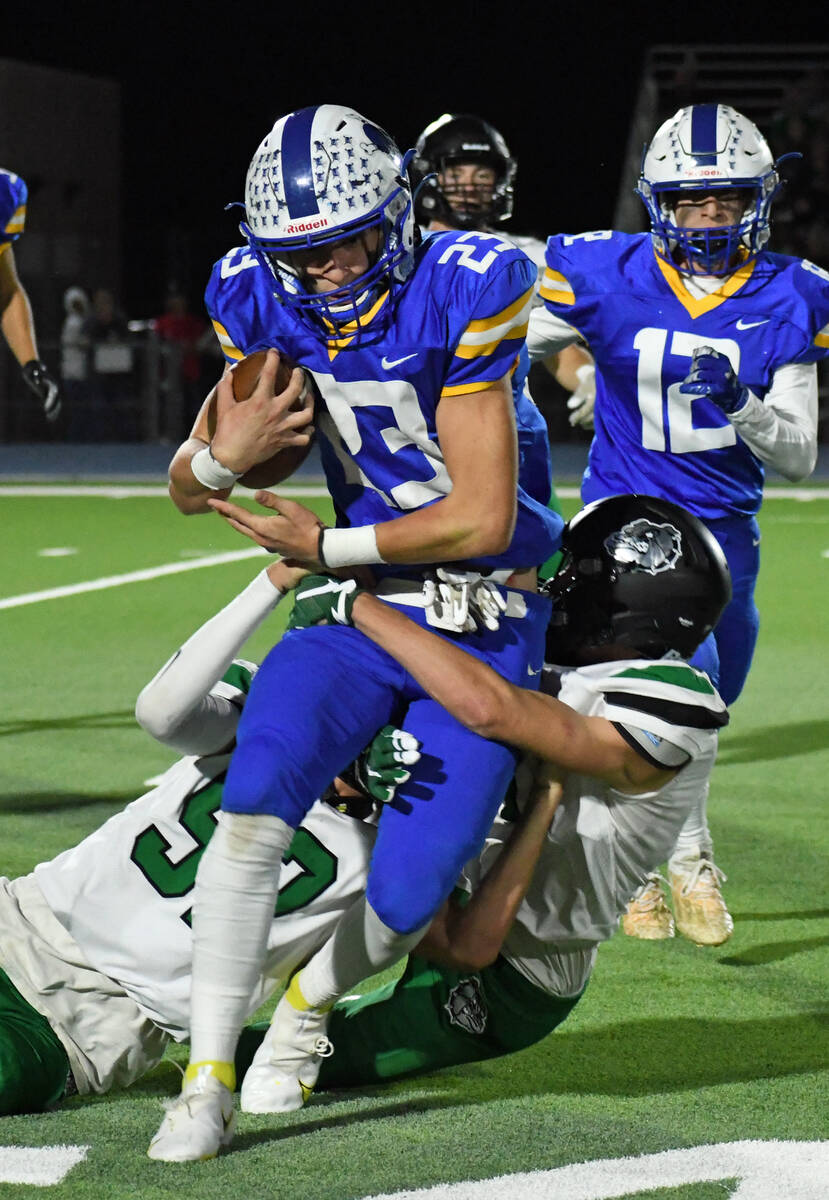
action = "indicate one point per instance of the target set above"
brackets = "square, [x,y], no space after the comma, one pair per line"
[74,360]
[109,407]
[181,333]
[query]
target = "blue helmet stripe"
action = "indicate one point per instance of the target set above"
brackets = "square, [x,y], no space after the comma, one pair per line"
[297,167]
[704,134]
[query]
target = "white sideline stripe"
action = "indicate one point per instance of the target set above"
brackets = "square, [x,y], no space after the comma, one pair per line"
[110,581]
[128,491]
[765,1170]
[39,1166]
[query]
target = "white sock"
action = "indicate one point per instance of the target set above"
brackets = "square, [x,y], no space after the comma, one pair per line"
[360,946]
[236,887]
[694,839]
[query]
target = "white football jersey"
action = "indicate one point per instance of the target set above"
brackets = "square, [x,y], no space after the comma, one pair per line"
[124,893]
[603,842]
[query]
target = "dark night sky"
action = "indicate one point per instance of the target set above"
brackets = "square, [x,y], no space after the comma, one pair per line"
[201,87]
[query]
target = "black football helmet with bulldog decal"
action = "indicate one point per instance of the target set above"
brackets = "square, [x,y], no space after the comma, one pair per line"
[636,572]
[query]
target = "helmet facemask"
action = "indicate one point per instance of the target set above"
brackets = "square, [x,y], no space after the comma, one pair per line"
[329,163]
[708,148]
[716,249]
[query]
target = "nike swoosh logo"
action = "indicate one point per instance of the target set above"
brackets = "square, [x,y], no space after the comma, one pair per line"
[530,671]
[387,364]
[741,324]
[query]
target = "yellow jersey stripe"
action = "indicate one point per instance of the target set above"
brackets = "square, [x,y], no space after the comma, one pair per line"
[485,324]
[482,337]
[17,221]
[480,351]
[226,342]
[556,287]
[822,338]
[459,389]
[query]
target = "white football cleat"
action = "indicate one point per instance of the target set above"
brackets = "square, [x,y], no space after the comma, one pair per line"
[286,1066]
[702,915]
[198,1123]
[647,915]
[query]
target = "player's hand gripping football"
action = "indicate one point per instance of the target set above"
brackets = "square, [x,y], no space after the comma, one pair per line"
[712,375]
[252,432]
[290,529]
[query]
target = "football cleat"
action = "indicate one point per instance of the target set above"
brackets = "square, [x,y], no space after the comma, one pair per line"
[701,912]
[198,1123]
[648,916]
[286,1066]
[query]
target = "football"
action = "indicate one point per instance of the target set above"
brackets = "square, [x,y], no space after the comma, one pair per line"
[245,374]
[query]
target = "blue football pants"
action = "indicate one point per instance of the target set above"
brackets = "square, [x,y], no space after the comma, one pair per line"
[318,699]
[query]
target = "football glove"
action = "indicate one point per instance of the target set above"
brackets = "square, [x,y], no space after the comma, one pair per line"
[38,377]
[583,400]
[323,600]
[461,601]
[382,766]
[712,375]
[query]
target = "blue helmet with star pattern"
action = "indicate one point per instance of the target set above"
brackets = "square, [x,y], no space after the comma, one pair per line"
[707,148]
[323,175]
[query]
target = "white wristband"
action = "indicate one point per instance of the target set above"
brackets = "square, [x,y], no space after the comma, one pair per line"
[210,472]
[349,547]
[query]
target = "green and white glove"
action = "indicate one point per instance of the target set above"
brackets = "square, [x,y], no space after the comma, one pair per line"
[323,600]
[382,766]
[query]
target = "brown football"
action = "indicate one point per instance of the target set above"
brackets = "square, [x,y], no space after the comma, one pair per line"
[245,374]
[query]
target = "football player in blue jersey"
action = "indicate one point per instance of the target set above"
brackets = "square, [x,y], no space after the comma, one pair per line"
[467,179]
[411,350]
[705,345]
[15,311]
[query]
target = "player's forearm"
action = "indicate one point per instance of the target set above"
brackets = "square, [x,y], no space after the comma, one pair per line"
[470,937]
[187,492]
[456,528]
[782,429]
[564,366]
[18,327]
[466,687]
[496,709]
[175,707]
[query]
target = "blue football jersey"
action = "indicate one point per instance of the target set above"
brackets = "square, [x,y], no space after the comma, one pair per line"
[12,207]
[642,327]
[458,325]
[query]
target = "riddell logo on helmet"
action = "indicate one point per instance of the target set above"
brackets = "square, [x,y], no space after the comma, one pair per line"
[305,226]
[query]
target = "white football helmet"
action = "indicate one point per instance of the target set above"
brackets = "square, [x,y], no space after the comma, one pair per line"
[324,174]
[708,147]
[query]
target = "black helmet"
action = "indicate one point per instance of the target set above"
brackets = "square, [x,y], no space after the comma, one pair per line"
[462,138]
[637,571]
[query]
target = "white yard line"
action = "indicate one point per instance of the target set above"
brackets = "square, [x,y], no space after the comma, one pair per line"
[111,581]
[38,1166]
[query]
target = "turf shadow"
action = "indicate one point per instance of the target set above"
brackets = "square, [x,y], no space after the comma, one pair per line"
[757,956]
[773,742]
[118,719]
[804,914]
[638,1058]
[55,801]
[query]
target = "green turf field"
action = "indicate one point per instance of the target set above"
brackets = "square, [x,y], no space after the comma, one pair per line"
[673,1047]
